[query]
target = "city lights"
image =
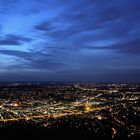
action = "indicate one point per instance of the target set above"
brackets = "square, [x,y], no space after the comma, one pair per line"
[47,105]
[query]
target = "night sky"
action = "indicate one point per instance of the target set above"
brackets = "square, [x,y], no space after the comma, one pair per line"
[70,40]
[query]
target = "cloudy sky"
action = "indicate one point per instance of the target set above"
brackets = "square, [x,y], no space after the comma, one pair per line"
[70,40]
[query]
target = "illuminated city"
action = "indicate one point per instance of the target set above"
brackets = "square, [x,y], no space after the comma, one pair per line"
[70,69]
[89,107]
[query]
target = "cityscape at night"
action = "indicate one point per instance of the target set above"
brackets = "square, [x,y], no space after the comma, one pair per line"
[99,110]
[70,69]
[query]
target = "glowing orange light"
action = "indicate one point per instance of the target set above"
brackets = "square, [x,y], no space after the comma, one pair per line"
[99,117]
[14,104]
[87,108]
[114,131]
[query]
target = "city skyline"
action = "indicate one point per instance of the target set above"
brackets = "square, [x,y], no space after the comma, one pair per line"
[58,40]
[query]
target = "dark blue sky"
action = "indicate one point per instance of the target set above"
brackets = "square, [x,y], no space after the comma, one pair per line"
[70,40]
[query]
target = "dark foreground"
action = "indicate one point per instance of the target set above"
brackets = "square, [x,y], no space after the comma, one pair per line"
[30,131]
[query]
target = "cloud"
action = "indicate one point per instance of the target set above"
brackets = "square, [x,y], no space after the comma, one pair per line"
[35,60]
[14,40]
[20,54]
[75,39]
[89,21]
[131,47]
[44,26]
